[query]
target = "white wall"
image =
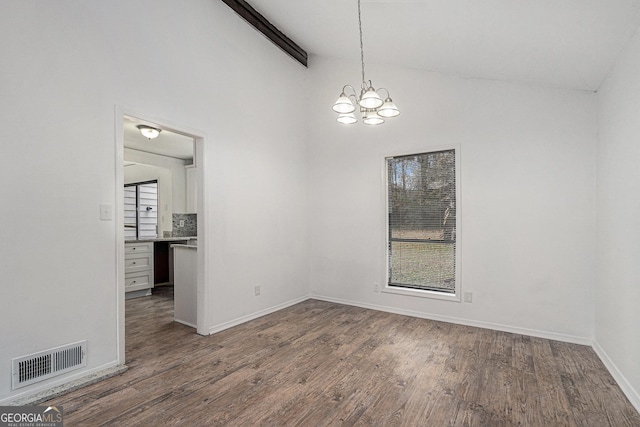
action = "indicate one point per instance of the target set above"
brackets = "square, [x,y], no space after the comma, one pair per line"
[617,302]
[171,176]
[528,178]
[66,65]
[528,196]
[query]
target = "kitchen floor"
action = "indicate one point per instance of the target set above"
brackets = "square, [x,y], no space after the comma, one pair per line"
[164,291]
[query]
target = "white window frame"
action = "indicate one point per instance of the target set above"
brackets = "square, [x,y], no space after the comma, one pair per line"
[455,297]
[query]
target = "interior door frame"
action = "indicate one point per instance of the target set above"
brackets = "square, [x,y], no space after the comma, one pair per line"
[203,291]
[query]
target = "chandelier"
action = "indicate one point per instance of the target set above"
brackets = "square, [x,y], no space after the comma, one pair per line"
[373,109]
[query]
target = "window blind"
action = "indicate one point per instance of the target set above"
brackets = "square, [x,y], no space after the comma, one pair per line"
[421,192]
[148,211]
[130,212]
[141,211]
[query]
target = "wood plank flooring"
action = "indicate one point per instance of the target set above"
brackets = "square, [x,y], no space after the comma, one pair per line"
[325,364]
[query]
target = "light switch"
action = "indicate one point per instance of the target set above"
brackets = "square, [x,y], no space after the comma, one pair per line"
[106,213]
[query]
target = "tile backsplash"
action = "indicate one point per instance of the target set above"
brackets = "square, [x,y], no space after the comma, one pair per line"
[190,227]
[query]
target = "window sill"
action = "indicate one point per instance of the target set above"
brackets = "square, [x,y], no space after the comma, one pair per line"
[422,293]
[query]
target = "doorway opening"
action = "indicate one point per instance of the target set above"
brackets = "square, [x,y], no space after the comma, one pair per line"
[160,234]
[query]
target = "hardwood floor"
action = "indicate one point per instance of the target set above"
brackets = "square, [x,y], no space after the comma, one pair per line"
[319,363]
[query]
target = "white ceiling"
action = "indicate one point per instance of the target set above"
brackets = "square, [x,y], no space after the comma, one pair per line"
[562,43]
[166,144]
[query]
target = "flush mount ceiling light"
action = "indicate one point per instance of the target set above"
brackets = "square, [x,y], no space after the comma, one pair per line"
[148,131]
[373,109]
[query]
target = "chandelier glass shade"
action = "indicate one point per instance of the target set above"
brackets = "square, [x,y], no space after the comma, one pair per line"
[347,118]
[373,109]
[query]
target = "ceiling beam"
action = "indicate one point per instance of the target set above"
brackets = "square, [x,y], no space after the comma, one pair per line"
[261,24]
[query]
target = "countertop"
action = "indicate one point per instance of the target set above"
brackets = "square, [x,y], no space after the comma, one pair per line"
[185,246]
[164,239]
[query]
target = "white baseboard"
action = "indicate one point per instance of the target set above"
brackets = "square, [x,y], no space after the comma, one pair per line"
[238,321]
[485,325]
[631,393]
[51,389]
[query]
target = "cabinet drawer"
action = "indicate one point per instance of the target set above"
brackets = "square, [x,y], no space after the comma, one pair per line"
[136,282]
[138,262]
[132,248]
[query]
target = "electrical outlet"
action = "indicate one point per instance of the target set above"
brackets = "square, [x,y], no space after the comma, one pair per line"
[468,297]
[181,224]
[256,289]
[376,287]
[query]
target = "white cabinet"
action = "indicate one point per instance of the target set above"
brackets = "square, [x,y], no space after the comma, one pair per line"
[137,247]
[185,265]
[138,281]
[138,268]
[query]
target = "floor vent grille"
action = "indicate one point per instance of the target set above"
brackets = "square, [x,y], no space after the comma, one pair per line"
[40,366]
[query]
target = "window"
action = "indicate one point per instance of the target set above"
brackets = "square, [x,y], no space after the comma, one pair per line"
[141,210]
[421,208]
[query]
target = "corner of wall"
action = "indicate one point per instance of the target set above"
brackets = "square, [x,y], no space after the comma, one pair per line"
[628,390]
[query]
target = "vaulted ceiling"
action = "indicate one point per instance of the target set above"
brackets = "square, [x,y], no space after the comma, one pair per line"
[563,43]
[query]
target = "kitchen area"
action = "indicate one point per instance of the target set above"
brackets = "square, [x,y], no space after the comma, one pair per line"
[160,217]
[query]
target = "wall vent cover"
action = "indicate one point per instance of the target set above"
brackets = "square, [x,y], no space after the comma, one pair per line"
[45,364]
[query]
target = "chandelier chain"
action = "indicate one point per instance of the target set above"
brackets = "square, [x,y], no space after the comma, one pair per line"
[361,44]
